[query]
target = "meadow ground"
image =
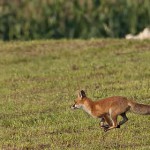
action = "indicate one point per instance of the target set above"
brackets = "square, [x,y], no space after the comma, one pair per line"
[38,84]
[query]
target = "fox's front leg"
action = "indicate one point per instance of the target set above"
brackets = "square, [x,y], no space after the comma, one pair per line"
[102,123]
[113,117]
[106,119]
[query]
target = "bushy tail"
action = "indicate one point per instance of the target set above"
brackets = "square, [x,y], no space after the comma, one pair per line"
[139,108]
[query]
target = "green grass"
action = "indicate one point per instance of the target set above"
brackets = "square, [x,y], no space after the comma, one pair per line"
[38,84]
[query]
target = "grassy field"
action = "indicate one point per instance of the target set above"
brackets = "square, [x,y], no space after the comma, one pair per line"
[38,84]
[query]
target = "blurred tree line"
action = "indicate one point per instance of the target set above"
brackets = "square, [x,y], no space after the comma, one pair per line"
[42,19]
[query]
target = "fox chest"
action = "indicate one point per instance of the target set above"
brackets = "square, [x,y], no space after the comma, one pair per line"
[89,112]
[94,113]
[99,113]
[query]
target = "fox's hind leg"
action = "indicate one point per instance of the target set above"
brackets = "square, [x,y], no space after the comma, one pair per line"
[125,119]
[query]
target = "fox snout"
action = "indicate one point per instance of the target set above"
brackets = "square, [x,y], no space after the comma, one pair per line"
[73,107]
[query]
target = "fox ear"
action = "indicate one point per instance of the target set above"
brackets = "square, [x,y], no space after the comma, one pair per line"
[81,94]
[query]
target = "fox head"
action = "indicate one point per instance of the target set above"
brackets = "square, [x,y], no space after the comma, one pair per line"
[79,101]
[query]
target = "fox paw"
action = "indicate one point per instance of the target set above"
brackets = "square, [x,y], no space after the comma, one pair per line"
[104,126]
[106,129]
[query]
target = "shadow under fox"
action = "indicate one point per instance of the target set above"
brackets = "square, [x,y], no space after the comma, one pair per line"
[109,109]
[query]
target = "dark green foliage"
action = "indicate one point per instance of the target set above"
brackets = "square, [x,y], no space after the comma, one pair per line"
[36,19]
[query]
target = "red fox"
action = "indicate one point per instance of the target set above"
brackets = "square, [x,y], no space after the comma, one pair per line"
[109,109]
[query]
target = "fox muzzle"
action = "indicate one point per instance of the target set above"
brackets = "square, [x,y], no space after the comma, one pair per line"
[73,107]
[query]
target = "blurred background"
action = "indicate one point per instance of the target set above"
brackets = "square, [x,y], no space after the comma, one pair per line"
[46,19]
